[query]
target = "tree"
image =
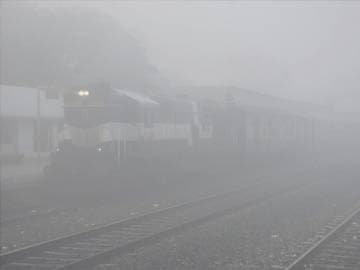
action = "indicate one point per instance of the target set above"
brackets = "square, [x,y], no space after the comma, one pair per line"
[63,47]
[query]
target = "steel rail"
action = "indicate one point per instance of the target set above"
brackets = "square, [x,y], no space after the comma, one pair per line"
[33,216]
[36,251]
[305,259]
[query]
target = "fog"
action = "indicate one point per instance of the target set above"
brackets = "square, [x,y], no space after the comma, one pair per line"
[297,50]
[179,135]
[310,53]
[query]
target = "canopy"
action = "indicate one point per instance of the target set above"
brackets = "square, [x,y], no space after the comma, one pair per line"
[138,97]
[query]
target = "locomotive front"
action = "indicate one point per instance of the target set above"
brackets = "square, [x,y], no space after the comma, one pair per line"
[85,140]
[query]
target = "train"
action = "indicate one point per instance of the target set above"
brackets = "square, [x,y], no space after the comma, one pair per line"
[105,125]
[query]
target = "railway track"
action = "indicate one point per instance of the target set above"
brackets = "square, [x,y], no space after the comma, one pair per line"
[89,248]
[338,249]
[36,214]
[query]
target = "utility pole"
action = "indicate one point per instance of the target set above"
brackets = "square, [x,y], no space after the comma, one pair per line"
[38,123]
[1,138]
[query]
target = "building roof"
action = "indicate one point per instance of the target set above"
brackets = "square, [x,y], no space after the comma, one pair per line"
[252,100]
[140,98]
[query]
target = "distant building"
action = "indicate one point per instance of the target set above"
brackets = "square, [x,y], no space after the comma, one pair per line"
[30,119]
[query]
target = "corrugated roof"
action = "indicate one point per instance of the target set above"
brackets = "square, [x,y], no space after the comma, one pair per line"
[138,97]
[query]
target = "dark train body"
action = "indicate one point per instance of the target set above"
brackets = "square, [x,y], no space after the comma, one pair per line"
[104,126]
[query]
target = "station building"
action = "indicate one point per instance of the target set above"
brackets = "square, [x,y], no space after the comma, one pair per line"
[30,119]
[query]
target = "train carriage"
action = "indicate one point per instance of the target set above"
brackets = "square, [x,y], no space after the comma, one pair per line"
[105,125]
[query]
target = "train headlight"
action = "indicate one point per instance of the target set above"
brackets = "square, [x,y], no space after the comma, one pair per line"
[99,149]
[57,149]
[83,93]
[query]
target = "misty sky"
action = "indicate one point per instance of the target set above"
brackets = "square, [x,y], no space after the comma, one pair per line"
[300,50]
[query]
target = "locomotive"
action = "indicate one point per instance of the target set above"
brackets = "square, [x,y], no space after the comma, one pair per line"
[104,126]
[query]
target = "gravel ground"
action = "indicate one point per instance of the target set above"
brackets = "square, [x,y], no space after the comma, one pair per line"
[95,206]
[268,236]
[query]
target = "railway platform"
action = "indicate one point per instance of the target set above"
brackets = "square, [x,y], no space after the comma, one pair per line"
[24,171]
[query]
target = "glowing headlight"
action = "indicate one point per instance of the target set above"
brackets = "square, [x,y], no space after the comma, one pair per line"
[83,93]
[57,149]
[99,149]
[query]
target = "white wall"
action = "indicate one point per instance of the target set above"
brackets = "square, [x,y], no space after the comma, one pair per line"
[20,105]
[22,102]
